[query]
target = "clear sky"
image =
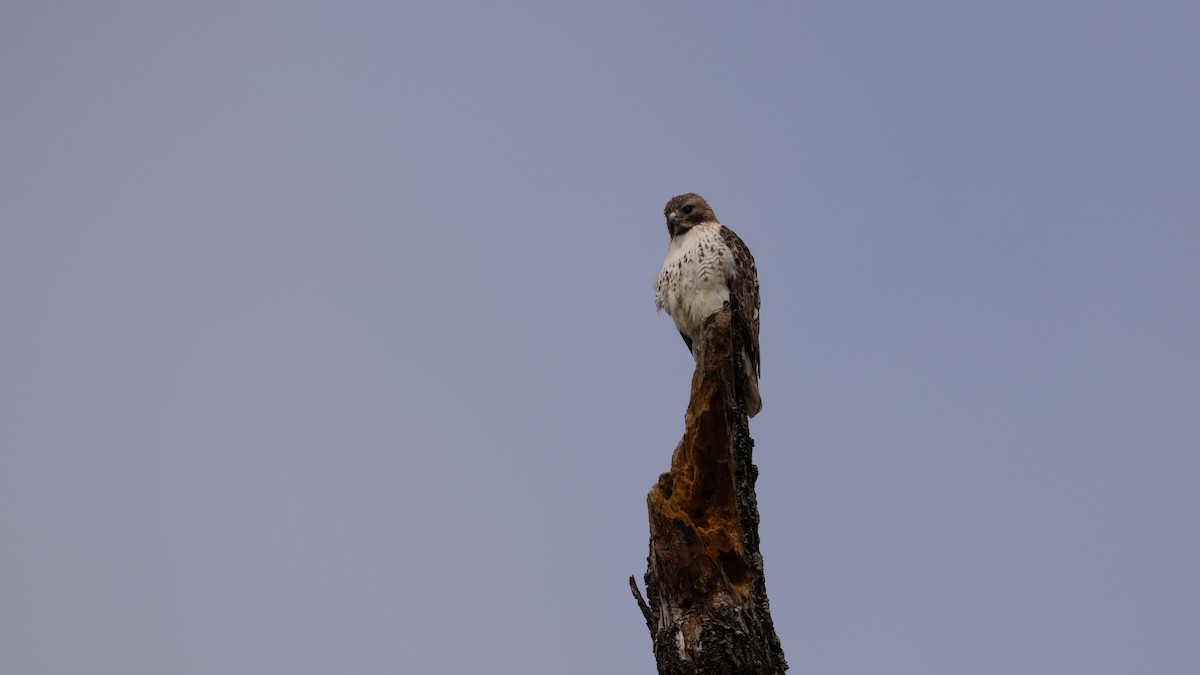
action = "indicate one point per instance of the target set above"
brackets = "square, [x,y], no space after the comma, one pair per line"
[329,342]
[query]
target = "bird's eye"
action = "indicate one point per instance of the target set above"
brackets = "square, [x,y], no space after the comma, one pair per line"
[688,209]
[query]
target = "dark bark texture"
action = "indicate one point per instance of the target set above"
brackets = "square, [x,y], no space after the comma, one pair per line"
[707,610]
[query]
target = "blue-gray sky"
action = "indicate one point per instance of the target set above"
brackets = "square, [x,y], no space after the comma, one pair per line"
[329,342]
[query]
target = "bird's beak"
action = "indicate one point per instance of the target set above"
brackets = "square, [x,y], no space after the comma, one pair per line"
[673,217]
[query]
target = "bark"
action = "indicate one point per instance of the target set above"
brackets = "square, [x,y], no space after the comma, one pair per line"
[708,610]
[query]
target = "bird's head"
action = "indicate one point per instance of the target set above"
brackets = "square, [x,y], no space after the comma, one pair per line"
[686,211]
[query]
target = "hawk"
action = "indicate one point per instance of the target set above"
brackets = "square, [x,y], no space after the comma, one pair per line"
[706,264]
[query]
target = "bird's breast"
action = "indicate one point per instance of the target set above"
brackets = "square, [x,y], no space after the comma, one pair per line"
[694,281]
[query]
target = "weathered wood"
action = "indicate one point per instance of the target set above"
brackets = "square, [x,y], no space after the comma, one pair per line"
[708,610]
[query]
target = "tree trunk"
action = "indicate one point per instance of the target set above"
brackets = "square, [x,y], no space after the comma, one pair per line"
[708,610]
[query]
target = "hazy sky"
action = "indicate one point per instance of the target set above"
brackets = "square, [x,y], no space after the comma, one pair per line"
[329,342]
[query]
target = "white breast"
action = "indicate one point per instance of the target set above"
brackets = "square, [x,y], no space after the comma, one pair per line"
[694,281]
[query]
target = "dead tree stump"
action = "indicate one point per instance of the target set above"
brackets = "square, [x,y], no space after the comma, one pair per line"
[708,610]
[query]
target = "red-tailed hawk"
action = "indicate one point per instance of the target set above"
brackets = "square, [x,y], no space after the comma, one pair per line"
[706,263]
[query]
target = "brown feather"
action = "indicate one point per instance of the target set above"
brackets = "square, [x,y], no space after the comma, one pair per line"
[744,287]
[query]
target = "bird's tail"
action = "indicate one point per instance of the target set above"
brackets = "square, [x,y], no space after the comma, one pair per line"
[753,399]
